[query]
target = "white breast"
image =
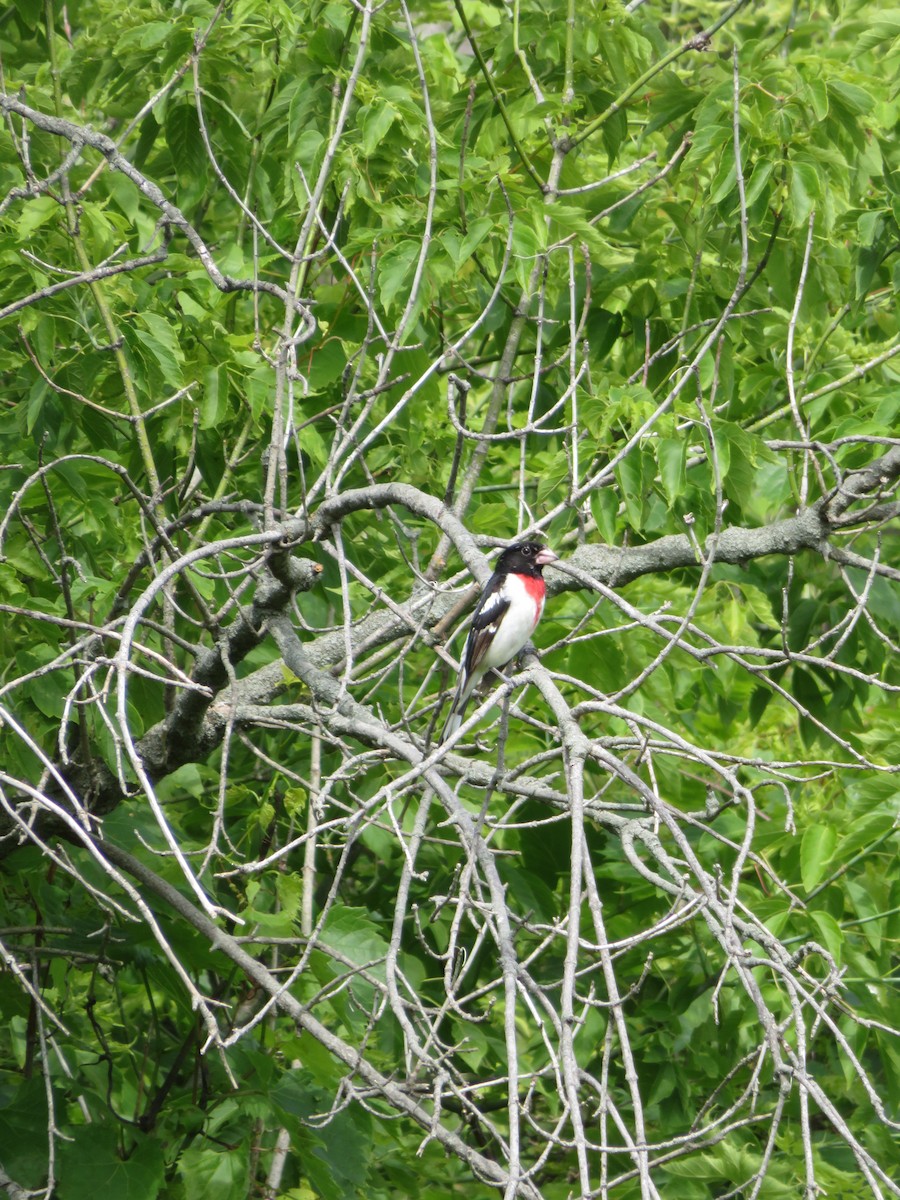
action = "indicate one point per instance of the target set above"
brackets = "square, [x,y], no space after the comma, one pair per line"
[516,627]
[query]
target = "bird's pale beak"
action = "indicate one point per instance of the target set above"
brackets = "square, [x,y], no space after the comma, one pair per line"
[545,556]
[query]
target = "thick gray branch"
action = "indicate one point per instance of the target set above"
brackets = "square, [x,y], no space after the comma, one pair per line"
[196,726]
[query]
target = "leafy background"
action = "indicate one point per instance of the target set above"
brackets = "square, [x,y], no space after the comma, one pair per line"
[487,253]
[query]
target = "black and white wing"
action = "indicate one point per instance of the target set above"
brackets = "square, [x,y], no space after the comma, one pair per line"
[491,609]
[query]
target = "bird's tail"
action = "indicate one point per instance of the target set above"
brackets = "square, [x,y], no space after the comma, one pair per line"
[451,725]
[457,711]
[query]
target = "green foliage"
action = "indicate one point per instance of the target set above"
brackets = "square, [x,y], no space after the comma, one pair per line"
[671,304]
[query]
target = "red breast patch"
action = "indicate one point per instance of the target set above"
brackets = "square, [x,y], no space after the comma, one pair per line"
[537,590]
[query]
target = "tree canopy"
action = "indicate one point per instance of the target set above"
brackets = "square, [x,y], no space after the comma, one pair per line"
[306,308]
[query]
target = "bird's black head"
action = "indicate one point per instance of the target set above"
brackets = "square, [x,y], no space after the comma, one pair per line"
[525,558]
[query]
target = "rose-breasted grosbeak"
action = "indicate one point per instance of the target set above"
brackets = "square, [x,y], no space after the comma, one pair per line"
[505,617]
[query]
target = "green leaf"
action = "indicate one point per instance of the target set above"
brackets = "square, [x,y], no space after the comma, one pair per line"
[604,329]
[870,826]
[885,28]
[475,234]
[567,219]
[394,270]
[604,510]
[759,179]
[346,1147]
[149,131]
[554,474]
[295,1093]
[376,120]
[159,338]
[830,934]
[672,457]
[673,100]
[855,99]
[633,488]
[355,935]
[816,848]
[214,404]
[184,139]
[603,658]
[869,259]
[145,36]
[725,180]
[806,190]
[817,93]
[529,240]
[36,213]
[91,1163]
[759,702]
[23,1132]
[329,359]
[208,1170]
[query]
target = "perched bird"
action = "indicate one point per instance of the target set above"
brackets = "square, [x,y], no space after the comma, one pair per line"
[505,617]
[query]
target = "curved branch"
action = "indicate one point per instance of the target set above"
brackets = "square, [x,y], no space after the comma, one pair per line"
[195,727]
[356,1063]
[82,135]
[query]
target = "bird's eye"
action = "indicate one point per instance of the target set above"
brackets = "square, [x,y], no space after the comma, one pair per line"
[527,550]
